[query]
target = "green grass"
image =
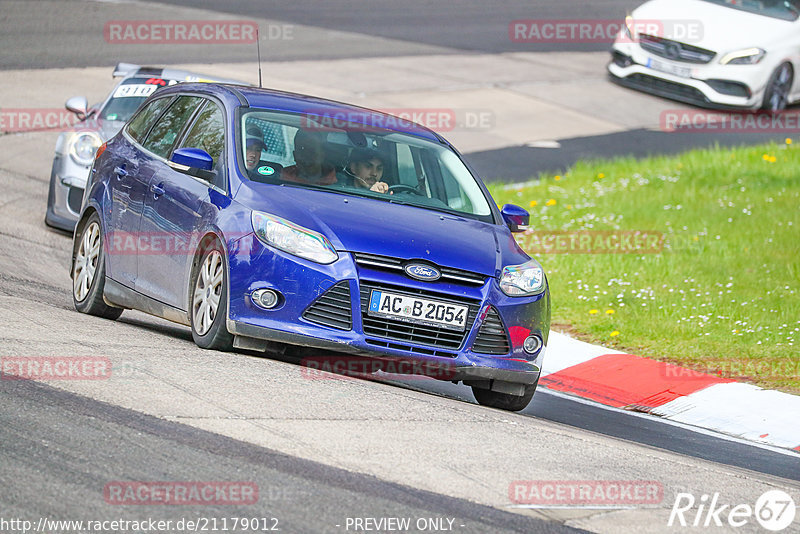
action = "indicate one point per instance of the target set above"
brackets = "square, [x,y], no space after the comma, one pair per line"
[722,294]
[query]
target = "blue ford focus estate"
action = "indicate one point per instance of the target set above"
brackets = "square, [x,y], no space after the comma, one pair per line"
[263,219]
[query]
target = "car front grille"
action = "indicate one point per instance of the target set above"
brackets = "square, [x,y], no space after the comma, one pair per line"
[333,308]
[492,337]
[429,336]
[668,88]
[387,263]
[675,50]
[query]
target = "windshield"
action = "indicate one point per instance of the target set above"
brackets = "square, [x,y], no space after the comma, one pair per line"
[128,96]
[317,152]
[777,9]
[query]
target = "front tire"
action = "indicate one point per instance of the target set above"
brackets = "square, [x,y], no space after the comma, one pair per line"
[209,304]
[504,401]
[776,96]
[89,273]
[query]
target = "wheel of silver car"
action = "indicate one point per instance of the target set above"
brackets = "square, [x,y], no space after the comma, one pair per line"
[209,304]
[776,96]
[88,272]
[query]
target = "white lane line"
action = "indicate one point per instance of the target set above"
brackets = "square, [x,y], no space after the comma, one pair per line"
[685,426]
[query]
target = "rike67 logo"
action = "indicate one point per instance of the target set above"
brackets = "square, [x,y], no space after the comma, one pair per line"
[775,510]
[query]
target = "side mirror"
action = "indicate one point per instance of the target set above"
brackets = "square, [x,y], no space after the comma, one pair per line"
[193,161]
[78,105]
[516,218]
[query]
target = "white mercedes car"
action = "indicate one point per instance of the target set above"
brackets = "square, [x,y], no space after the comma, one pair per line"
[741,54]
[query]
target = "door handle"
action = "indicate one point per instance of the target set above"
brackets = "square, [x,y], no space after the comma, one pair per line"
[157,190]
[120,172]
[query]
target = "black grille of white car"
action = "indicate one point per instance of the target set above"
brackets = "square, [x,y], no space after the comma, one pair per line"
[492,337]
[387,263]
[431,336]
[675,50]
[333,308]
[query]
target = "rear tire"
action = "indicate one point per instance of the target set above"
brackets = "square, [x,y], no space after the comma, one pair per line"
[89,272]
[504,401]
[208,307]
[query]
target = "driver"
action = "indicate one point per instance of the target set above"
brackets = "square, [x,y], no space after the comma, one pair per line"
[366,168]
[309,156]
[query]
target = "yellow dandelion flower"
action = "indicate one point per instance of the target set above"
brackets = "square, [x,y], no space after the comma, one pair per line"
[551,202]
[765,157]
[533,203]
[601,176]
[615,333]
[696,238]
[558,178]
[609,312]
[788,140]
[773,159]
[593,312]
[569,206]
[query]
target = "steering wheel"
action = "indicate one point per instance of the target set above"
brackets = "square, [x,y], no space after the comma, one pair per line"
[403,188]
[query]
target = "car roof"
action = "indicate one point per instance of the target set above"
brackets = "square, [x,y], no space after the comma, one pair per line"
[297,103]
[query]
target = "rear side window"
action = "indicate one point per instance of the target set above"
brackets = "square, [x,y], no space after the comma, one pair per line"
[163,135]
[141,123]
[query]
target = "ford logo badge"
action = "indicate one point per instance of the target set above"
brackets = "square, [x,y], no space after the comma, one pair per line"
[425,273]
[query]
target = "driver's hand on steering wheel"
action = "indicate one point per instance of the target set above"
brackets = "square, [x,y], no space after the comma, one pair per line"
[380,187]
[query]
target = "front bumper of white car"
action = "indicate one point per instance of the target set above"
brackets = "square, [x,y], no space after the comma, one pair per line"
[711,84]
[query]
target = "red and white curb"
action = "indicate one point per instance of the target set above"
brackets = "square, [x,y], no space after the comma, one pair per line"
[672,392]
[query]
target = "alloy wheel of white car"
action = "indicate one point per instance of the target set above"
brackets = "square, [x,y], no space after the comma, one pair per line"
[207,292]
[86,262]
[778,88]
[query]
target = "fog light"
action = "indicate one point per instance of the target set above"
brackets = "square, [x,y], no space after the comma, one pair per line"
[532,344]
[265,298]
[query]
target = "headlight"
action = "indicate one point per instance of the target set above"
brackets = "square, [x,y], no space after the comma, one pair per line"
[626,28]
[522,280]
[749,56]
[291,238]
[82,147]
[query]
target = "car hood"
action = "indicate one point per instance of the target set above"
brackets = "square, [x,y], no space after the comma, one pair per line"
[356,224]
[722,29]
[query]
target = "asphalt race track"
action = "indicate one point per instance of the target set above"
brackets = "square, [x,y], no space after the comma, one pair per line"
[322,450]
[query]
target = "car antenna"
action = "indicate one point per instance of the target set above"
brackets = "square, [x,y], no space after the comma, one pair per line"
[258,51]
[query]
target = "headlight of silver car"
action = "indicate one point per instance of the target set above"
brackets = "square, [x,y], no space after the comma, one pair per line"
[83,146]
[291,238]
[523,280]
[748,56]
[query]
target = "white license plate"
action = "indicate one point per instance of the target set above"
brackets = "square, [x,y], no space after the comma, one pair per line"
[683,72]
[417,310]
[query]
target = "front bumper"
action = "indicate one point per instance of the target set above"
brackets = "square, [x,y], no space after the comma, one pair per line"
[302,284]
[710,85]
[67,184]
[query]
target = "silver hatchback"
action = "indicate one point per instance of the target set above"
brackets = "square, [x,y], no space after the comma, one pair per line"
[76,147]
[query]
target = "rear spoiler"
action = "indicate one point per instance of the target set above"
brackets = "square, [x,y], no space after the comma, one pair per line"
[125,69]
